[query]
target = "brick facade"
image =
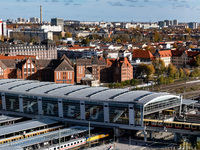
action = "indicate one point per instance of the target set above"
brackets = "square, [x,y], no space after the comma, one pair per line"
[104,70]
[32,69]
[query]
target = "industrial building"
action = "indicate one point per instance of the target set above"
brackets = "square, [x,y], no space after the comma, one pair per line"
[101,106]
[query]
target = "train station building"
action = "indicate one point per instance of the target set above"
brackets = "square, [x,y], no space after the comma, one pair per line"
[79,104]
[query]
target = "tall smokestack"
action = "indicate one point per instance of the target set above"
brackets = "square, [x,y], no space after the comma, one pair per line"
[41,14]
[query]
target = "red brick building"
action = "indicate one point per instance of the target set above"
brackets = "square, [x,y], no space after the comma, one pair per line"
[119,70]
[64,73]
[26,67]
[104,70]
[93,66]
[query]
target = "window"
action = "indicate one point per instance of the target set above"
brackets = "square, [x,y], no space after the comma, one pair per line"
[80,70]
[57,75]
[64,73]
[70,75]
[64,145]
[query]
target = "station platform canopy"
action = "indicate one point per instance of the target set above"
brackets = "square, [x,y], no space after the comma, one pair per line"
[79,92]
[46,137]
[26,125]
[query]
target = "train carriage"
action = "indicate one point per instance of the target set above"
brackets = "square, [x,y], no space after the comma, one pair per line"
[168,124]
[150,122]
[11,139]
[195,126]
[187,126]
[160,123]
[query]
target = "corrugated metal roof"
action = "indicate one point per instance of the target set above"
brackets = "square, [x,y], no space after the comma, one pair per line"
[25,126]
[4,118]
[76,92]
[12,148]
[47,136]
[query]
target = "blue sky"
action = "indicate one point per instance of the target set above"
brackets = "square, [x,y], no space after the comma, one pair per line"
[103,10]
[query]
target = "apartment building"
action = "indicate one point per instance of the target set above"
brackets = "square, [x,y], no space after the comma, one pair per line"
[182,59]
[165,55]
[46,50]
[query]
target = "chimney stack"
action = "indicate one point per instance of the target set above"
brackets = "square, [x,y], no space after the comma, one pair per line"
[41,14]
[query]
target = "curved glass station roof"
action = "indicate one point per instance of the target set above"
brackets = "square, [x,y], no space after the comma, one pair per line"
[78,92]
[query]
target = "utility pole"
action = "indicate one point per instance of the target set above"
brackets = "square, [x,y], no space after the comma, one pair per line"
[89,135]
[59,134]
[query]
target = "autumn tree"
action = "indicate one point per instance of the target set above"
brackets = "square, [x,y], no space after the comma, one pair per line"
[55,38]
[188,30]
[186,72]
[181,74]
[2,37]
[86,41]
[145,70]
[159,66]
[197,61]
[156,36]
[175,45]
[171,70]
[195,73]
[68,35]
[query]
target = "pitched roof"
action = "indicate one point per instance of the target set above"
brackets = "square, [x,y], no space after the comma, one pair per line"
[66,58]
[110,62]
[64,66]
[142,54]
[176,52]
[9,63]
[118,62]
[165,53]
[191,53]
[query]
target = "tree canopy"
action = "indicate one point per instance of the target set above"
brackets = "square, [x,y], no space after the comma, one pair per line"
[159,66]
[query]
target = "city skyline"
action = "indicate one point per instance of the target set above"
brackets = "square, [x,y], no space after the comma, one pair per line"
[103,10]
